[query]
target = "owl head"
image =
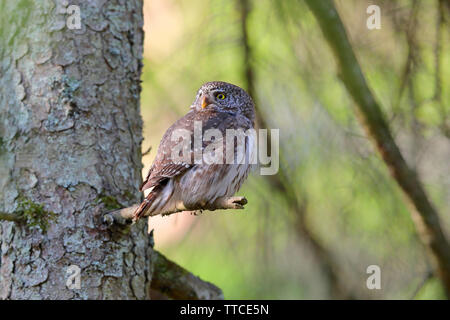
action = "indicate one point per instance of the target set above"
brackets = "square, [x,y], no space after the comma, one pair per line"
[224,96]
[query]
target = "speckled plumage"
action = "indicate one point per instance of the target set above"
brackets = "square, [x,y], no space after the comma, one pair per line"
[190,183]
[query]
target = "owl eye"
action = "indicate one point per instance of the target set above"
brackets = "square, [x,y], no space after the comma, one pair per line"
[220,96]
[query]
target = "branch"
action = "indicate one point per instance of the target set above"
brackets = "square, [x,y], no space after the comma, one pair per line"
[423,213]
[146,152]
[412,59]
[178,283]
[125,216]
[122,216]
[422,283]
[441,25]
[10,217]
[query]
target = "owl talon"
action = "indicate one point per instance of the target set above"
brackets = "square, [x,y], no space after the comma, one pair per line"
[239,200]
[192,212]
[231,203]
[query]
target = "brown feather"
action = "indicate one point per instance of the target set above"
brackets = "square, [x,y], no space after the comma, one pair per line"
[145,205]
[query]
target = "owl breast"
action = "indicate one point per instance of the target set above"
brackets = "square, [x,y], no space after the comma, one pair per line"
[206,183]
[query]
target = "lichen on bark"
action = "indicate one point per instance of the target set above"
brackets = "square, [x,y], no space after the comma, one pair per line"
[34,214]
[70,131]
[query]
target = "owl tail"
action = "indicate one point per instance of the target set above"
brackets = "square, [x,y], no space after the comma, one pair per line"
[145,206]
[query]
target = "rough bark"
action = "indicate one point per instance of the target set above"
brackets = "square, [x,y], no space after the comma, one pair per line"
[423,213]
[70,136]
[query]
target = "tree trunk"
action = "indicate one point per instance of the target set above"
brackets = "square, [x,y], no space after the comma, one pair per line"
[70,138]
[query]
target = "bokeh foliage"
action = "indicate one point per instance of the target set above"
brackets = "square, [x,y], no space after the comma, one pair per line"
[352,205]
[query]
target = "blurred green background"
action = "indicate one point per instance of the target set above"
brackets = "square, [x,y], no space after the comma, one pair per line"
[333,209]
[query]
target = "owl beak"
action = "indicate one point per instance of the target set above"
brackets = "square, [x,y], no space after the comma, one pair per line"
[205,101]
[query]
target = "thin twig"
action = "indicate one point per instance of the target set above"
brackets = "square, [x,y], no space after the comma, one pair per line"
[412,59]
[440,27]
[422,283]
[147,151]
[121,217]
[10,217]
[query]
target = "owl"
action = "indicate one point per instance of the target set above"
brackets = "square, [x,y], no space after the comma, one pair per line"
[192,182]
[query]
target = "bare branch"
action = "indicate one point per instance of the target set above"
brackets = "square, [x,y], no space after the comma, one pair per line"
[177,283]
[413,58]
[10,217]
[122,216]
[146,152]
[441,25]
[422,283]
[423,212]
[125,216]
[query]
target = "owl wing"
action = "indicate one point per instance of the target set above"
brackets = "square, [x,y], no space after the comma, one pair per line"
[163,167]
[162,173]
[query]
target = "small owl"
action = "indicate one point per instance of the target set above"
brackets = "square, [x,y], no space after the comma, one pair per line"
[194,183]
